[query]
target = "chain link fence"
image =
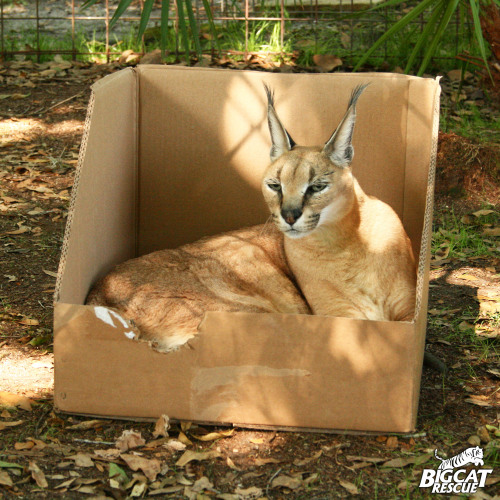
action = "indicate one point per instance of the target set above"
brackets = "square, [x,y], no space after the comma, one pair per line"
[296,28]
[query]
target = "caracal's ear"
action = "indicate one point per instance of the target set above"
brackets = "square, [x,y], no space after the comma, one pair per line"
[339,147]
[280,138]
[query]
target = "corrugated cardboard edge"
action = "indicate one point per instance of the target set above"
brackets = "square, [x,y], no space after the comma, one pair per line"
[423,260]
[420,318]
[71,209]
[158,67]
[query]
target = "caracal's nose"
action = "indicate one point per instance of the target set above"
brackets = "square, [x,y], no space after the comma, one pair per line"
[290,216]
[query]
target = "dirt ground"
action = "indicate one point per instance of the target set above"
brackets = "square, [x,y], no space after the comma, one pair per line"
[44,454]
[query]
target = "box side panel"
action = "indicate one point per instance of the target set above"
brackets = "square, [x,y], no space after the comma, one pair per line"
[318,372]
[205,143]
[101,228]
[252,369]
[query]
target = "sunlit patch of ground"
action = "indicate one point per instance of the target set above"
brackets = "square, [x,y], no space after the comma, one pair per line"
[31,375]
[23,129]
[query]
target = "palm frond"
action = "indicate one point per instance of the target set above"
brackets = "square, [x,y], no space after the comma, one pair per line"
[398,26]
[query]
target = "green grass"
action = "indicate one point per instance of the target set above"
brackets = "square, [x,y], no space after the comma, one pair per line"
[461,242]
[464,236]
[29,40]
[468,120]
[264,36]
[82,44]
[116,46]
[5,306]
[460,239]
[492,452]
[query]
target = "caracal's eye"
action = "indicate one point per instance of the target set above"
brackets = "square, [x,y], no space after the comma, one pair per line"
[275,186]
[317,188]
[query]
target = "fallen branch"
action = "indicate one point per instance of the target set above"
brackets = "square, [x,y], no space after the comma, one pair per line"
[90,441]
[271,480]
[44,110]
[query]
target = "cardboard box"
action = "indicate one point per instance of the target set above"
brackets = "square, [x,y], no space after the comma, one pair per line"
[171,154]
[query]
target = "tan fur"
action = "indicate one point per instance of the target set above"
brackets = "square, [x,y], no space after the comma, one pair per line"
[166,293]
[344,253]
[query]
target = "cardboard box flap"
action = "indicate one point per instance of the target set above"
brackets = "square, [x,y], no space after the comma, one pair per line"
[101,228]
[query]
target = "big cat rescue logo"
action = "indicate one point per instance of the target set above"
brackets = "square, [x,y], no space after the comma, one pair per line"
[452,477]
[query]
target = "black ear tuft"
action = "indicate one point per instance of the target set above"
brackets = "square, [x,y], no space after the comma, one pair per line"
[356,92]
[270,95]
[339,147]
[280,138]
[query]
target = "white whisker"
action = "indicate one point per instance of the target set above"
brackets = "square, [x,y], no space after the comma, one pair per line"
[266,225]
